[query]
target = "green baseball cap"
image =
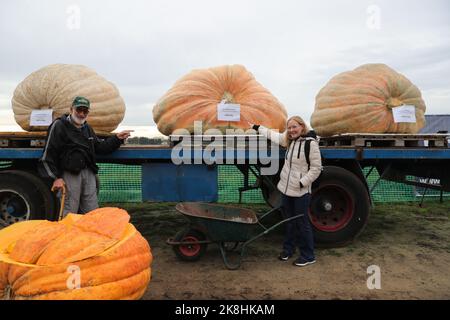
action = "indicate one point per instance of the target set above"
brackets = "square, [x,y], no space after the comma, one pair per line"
[81,102]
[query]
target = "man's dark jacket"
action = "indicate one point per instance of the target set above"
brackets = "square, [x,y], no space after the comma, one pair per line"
[69,148]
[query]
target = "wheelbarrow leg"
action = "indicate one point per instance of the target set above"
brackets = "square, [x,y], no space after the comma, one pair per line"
[229,265]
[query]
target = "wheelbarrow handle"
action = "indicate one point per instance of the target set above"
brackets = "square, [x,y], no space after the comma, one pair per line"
[269,212]
[172,242]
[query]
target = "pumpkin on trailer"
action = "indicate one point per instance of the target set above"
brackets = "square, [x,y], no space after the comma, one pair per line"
[195,97]
[362,101]
[55,86]
[99,255]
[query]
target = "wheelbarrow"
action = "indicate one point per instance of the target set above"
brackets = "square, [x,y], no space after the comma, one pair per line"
[231,228]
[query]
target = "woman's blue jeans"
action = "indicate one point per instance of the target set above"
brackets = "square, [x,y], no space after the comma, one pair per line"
[298,231]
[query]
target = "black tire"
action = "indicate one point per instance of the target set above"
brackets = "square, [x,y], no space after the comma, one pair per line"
[22,197]
[339,208]
[51,203]
[190,252]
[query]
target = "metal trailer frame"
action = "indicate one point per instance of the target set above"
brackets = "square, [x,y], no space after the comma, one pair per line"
[341,200]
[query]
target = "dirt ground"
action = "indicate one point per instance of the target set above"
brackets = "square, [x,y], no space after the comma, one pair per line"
[411,246]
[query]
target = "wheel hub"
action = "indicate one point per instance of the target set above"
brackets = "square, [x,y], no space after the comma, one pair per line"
[13,208]
[190,249]
[327,206]
[331,208]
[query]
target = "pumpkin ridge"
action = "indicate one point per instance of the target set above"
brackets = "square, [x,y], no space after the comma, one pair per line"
[195,102]
[135,295]
[18,280]
[51,258]
[55,86]
[327,102]
[34,241]
[407,92]
[67,85]
[129,282]
[382,89]
[111,222]
[344,104]
[44,281]
[201,84]
[181,113]
[344,122]
[57,292]
[177,109]
[341,90]
[85,229]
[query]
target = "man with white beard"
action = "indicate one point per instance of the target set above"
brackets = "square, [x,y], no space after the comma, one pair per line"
[69,157]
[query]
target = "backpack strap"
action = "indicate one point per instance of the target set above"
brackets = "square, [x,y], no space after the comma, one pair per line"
[299,148]
[307,150]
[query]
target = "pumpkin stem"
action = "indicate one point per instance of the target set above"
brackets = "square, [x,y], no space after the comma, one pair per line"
[228,97]
[394,102]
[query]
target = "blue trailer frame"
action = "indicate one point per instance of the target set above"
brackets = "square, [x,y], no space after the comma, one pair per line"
[340,204]
[157,165]
[139,155]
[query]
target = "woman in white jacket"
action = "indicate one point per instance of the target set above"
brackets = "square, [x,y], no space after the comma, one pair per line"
[296,179]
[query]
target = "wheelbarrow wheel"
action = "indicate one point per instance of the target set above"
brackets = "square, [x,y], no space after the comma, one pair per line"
[190,252]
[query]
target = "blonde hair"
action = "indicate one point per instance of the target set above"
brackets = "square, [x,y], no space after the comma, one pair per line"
[300,121]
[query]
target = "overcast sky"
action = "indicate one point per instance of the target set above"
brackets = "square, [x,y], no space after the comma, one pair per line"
[292,47]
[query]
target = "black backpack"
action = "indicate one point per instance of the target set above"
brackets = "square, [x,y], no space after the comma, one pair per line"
[310,134]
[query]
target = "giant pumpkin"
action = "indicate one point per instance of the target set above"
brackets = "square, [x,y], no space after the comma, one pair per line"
[361,101]
[99,255]
[55,86]
[195,96]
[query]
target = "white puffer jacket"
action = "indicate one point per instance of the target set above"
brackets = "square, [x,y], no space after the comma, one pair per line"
[295,178]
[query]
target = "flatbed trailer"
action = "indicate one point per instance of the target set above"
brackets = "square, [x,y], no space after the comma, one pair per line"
[341,198]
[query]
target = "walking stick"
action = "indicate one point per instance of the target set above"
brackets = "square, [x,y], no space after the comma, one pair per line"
[62,198]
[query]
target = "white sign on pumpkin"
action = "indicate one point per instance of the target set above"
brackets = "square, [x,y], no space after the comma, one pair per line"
[39,118]
[405,113]
[228,112]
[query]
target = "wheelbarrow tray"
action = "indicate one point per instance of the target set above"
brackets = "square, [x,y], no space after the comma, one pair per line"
[221,223]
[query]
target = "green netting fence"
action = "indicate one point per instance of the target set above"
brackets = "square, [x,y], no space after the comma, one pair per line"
[122,183]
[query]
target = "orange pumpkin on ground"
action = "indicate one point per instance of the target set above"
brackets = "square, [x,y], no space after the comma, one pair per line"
[195,97]
[361,101]
[99,255]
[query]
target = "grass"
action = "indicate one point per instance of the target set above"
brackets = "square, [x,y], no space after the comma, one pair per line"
[407,223]
[389,224]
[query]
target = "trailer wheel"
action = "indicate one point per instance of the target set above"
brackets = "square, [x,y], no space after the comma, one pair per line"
[50,204]
[339,208]
[190,252]
[22,197]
